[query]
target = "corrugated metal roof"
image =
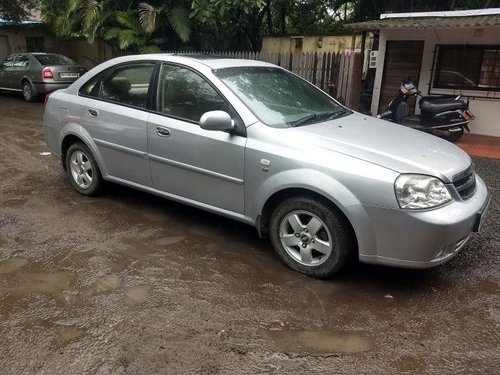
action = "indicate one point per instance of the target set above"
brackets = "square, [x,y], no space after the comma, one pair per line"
[428,22]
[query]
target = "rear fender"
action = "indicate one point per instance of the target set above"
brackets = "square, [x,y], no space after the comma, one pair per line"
[72,129]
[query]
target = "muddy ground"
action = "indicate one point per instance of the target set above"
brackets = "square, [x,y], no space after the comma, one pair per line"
[128,283]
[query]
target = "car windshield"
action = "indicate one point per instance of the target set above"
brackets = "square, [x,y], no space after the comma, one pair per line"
[54,60]
[278,98]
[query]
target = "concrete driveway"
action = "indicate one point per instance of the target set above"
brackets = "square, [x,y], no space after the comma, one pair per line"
[128,283]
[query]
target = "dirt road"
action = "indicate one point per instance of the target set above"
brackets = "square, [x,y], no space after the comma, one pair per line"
[128,283]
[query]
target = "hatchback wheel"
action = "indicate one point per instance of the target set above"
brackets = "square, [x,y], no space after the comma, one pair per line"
[28,92]
[83,170]
[310,237]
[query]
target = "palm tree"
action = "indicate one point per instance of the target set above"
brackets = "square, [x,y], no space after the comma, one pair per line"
[131,35]
[136,22]
[85,18]
[170,13]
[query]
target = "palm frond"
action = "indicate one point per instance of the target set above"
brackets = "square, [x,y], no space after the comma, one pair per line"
[147,16]
[73,6]
[178,18]
[126,38]
[112,33]
[90,12]
[129,21]
[157,41]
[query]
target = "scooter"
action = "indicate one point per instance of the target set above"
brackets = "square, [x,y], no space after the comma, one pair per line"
[443,116]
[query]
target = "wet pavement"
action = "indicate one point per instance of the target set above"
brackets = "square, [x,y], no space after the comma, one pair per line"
[129,283]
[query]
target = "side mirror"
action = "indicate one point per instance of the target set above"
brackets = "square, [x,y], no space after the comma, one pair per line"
[216,120]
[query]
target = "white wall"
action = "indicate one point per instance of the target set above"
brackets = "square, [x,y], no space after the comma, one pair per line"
[487,111]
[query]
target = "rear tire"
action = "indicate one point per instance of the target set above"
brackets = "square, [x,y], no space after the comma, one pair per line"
[310,237]
[83,171]
[28,92]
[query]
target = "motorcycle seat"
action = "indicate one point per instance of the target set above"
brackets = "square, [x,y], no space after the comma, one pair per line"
[442,105]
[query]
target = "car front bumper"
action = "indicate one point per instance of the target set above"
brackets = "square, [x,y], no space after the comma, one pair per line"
[421,239]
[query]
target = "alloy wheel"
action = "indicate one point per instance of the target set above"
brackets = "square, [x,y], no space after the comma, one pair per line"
[81,169]
[306,238]
[27,92]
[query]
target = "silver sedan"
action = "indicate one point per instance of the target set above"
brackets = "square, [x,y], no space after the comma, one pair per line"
[252,141]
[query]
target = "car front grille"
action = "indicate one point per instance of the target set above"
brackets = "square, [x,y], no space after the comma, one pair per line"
[465,183]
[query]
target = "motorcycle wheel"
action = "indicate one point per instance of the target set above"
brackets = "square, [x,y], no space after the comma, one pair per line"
[452,136]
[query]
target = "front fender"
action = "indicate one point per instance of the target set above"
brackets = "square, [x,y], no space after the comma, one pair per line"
[307,179]
[72,129]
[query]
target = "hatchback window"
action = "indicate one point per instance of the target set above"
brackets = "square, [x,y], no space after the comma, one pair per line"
[184,94]
[54,60]
[128,85]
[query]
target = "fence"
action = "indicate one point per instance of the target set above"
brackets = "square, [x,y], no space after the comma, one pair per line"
[331,72]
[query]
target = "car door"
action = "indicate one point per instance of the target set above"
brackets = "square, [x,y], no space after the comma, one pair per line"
[6,71]
[115,115]
[19,68]
[185,160]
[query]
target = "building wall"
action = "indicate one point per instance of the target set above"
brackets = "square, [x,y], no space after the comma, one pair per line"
[16,37]
[311,44]
[88,55]
[487,111]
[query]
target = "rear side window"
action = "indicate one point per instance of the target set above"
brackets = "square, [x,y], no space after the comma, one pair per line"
[21,62]
[128,85]
[91,87]
[46,60]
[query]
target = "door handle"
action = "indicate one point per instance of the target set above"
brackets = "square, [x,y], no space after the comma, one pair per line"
[93,112]
[162,132]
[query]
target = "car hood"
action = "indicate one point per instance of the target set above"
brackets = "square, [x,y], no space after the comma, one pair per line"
[392,146]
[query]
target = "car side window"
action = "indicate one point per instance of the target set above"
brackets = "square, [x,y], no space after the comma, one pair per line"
[92,86]
[21,62]
[128,85]
[7,63]
[185,94]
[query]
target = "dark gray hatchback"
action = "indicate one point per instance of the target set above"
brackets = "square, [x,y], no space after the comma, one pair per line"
[34,74]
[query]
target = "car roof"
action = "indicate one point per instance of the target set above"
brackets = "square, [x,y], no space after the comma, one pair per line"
[212,61]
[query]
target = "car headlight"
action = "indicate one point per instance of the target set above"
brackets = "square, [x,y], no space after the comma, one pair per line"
[415,191]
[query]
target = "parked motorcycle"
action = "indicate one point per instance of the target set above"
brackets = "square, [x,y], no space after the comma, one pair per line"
[443,116]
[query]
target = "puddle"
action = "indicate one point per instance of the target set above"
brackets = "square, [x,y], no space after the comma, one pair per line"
[318,342]
[135,295]
[15,202]
[46,283]
[165,241]
[488,287]
[104,284]
[16,283]
[67,334]
[25,283]
[410,365]
[12,265]
[154,216]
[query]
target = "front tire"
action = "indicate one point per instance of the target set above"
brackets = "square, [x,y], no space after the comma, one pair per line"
[310,237]
[83,171]
[28,92]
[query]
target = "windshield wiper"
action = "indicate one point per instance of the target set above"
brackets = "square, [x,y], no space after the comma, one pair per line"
[314,117]
[303,120]
[340,113]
